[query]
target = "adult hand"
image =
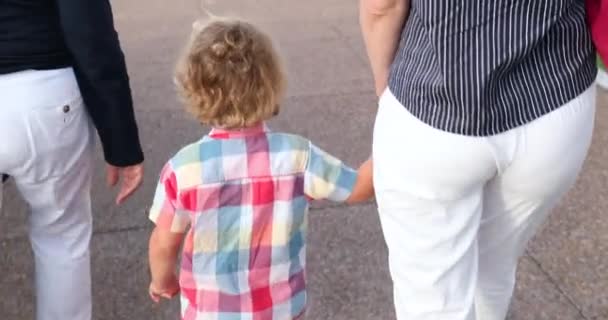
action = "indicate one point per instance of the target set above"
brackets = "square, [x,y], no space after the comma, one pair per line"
[131,178]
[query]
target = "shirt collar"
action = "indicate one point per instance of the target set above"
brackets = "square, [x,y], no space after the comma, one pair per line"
[219,133]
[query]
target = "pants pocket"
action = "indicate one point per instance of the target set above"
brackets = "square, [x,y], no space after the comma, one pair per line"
[58,136]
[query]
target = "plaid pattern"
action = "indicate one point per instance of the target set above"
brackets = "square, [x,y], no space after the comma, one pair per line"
[245,195]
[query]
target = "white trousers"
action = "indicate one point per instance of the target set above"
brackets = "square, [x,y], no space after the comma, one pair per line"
[602,78]
[457,211]
[46,146]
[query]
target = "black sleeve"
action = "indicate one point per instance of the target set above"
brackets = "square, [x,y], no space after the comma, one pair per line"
[99,64]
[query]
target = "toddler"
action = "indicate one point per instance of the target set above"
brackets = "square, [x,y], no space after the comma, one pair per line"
[237,199]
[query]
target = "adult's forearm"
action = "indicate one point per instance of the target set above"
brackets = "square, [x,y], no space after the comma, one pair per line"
[112,113]
[89,33]
[381,24]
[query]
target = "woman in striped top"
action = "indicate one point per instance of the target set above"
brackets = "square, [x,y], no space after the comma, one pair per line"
[485,117]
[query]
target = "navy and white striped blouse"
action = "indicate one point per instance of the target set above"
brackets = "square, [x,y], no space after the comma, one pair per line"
[482,67]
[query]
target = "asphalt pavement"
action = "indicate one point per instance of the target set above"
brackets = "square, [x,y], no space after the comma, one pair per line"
[564,274]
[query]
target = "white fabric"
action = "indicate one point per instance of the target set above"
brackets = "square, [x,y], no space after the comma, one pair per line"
[602,78]
[457,211]
[47,144]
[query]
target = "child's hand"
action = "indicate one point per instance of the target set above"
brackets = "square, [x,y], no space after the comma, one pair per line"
[166,290]
[364,187]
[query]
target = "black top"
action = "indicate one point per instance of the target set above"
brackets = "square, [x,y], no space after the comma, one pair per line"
[52,34]
[482,67]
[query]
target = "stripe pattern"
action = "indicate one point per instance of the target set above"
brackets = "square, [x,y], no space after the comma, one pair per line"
[480,67]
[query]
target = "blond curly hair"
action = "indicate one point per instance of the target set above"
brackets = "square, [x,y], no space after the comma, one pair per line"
[230,75]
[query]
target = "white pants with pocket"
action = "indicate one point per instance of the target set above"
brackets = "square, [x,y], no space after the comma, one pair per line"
[46,147]
[457,211]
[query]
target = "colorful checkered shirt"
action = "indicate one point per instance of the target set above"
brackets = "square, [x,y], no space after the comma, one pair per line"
[245,195]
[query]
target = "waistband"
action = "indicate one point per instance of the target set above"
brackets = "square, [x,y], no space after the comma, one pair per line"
[38,88]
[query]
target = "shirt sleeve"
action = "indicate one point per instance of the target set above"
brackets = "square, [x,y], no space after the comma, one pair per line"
[326,177]
[101,72]
[165,212]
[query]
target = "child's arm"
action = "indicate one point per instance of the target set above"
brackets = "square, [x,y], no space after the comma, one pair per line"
[163,254]
[327,177]
[364,187]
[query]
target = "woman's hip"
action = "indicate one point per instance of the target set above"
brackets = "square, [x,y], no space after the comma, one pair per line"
[411,156]
[43,122]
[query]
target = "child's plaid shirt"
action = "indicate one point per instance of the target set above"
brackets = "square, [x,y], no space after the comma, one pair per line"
[245,195]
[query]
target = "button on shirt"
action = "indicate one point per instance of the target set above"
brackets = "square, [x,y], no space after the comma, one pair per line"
[245,195]
[481,67]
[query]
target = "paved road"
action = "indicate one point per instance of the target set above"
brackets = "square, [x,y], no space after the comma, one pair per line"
[563,275]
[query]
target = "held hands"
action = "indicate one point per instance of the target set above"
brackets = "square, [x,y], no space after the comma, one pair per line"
[167,290]
[131,178]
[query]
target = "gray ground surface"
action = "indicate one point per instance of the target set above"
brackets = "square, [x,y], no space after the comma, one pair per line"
[564,274]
